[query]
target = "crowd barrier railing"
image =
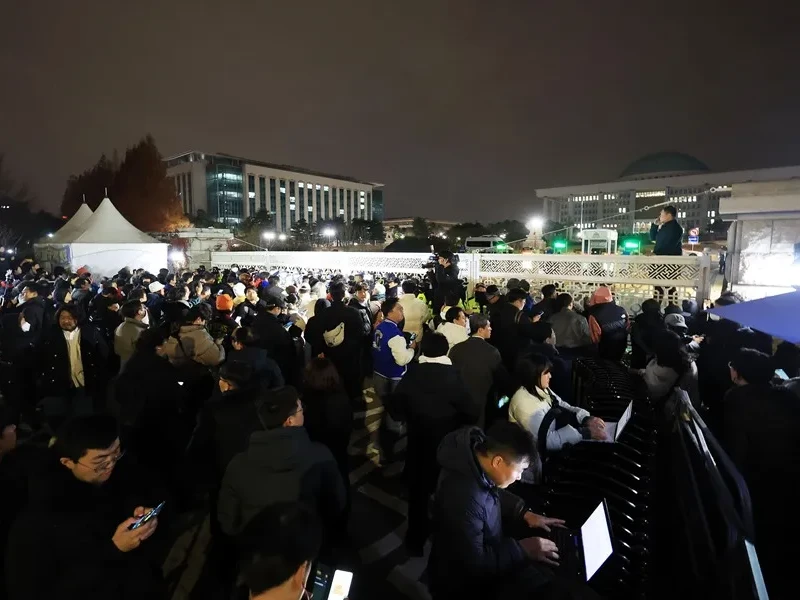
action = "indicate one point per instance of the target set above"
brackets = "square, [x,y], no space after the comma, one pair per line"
[632,279]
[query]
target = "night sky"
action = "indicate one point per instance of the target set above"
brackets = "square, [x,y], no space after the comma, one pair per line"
[462,107]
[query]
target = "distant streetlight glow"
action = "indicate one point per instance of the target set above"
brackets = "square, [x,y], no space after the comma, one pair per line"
[177,256]
[282,237]
[502,236]
[49,235]
[269,235]
[329,232]
[536,223]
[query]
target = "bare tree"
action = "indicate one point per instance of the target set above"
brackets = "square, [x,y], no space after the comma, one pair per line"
[9,189]
[9,237]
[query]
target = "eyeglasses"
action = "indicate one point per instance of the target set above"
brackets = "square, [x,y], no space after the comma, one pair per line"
[107,463]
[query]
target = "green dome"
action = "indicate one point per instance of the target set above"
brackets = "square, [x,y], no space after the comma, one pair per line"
[662,163]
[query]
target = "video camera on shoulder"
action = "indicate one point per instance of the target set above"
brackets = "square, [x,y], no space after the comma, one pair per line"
[433,259]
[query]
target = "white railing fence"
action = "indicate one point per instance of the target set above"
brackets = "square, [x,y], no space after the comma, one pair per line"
[632,279]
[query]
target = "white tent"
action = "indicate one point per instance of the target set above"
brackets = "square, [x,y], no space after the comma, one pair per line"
[106,242]
[109,242]
[72,227]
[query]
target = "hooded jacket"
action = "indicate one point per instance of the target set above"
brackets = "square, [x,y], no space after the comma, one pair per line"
[193,343]
[660,381]
[471,553]
[280,465]
[454,333]
[608,324]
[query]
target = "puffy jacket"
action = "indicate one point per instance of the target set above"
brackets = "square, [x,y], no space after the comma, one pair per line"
[608,324]
[471,554]
[455,334]
[571,329]
[125,338]
[281,465]
[416,313]
[193,343]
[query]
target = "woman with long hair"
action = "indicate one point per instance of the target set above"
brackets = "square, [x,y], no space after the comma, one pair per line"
[533,401]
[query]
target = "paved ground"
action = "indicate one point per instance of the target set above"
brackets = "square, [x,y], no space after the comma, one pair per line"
[377,528]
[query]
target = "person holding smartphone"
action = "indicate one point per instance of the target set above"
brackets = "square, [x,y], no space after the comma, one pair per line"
[75,538]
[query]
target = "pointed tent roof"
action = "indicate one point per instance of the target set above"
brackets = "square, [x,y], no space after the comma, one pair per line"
[108,226]
[73,227]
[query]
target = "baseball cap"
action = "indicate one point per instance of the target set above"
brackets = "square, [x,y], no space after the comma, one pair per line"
[272,301]
[492,291]
[675,320]
[224,302]
[155,287]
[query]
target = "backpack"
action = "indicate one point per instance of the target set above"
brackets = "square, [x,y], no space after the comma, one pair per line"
[334,337]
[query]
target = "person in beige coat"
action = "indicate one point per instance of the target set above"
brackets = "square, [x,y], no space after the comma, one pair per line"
[126,334]
[193,342]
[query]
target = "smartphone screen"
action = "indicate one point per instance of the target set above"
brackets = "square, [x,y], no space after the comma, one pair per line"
[147,517]
[340,586]
[781,374]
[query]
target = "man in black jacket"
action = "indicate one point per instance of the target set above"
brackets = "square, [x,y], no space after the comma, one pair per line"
[281,464]
[667,233]
[74,540]
[760,424]
[482,369]
[447,281]
[432,400]
[73,367]
[344,331]
[512,327]
[472,555]
[271,335]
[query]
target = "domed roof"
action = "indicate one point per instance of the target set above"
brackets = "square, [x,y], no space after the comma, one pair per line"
[661,163]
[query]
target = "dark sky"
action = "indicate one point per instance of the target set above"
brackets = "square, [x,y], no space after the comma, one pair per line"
[461,107]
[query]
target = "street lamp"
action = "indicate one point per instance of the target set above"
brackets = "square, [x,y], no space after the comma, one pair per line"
[536,223]
[268,235]
[49,235]
[329,232]
[282,237]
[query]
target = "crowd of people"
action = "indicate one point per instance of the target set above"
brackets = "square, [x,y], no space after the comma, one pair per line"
[236,389]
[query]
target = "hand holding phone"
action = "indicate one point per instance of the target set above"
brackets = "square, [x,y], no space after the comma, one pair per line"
[132,532]
[144,516]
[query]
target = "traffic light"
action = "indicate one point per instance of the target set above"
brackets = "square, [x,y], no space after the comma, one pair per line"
[559,245]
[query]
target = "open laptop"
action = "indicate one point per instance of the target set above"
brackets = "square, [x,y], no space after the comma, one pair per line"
[582,553]
[614,430]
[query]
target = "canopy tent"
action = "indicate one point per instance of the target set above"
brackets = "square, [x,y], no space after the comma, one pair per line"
[72,227]
[105,243]
[775,315]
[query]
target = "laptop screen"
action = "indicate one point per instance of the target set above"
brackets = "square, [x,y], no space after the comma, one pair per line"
[755,568]
[623,420]
[596,537]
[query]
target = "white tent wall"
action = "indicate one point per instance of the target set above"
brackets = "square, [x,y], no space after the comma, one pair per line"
[107,259]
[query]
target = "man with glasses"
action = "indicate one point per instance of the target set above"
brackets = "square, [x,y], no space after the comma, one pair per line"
[281,464]
[74,539]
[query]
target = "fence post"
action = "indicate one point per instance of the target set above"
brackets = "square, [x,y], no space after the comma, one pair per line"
[704,280]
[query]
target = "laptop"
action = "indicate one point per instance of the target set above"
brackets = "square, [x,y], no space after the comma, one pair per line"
[582,553]
[614,430]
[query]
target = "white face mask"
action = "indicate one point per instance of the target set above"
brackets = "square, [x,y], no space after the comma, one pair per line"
[20,300]
[25,326]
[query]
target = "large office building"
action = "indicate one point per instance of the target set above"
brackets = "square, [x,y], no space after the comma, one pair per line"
[230,189]
[630,203]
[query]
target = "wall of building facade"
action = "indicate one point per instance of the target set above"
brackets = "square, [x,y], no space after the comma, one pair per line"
[230,189]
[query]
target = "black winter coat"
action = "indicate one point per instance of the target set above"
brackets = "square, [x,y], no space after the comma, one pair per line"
[223,429]
[55,376]
[273,337]
[433,400]
[281,465]
[471,554]
[265,370]
[149,401]
[62,544]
